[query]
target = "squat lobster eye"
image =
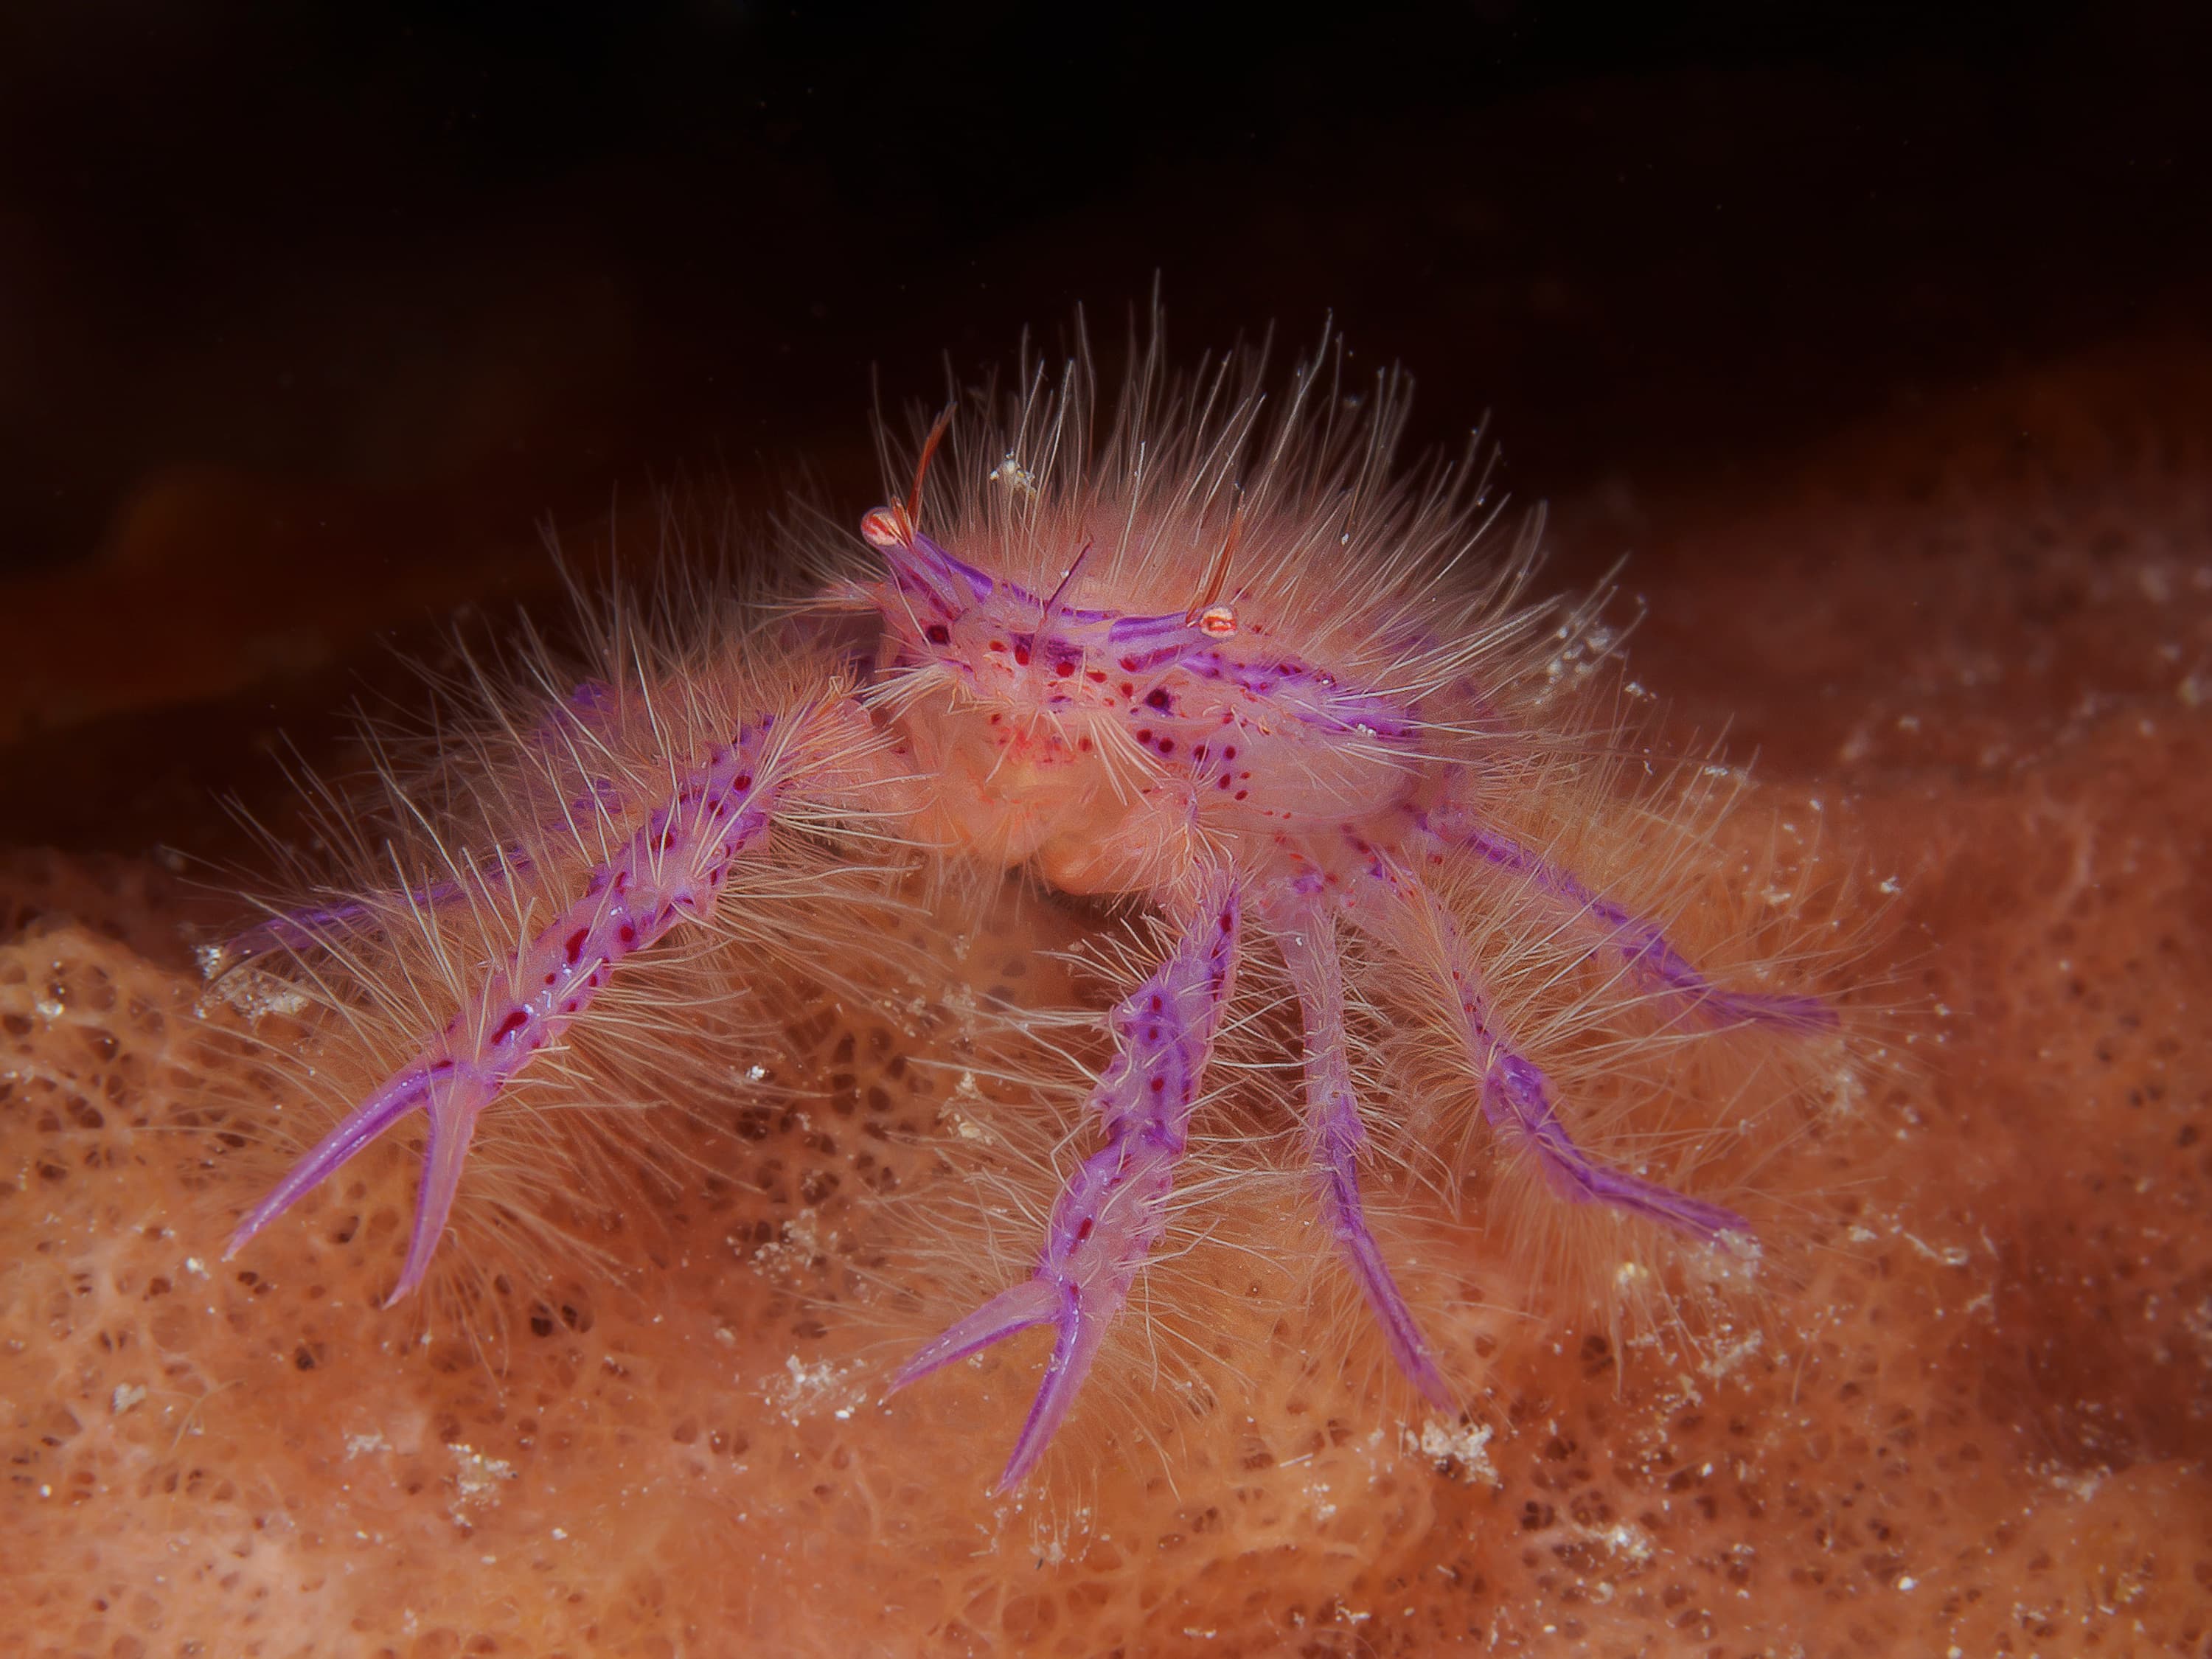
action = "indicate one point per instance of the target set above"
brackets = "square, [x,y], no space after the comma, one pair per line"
[886,527]
[894,525]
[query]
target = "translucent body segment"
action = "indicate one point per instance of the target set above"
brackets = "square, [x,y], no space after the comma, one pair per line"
[1114,1209]
[1642,945]
[1335,1136]
[1516,1095]
[670,871]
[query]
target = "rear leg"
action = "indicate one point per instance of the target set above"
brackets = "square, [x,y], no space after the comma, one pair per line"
[670,871]
[1516,1096]
[1642,945]
[1113,1211]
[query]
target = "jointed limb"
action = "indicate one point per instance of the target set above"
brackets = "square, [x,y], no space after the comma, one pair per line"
[1642,945]
[670,871]
[1114,1210]
[1307,937]
[1516,1095]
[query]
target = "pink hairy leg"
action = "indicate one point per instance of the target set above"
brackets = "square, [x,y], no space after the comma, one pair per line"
[1516,1095]
[1112,1212]
[313,927]
[1306,934]
[669,872]
[1641,944]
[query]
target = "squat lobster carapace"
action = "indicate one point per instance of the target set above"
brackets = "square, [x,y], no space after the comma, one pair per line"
[1219,661]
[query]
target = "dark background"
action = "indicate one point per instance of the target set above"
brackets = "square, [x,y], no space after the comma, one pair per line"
[310,316]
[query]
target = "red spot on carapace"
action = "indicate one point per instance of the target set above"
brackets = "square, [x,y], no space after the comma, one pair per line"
[515,1020]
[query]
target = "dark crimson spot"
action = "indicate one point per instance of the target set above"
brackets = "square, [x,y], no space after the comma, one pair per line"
[745,780]
[1084,744]
[1158,1002]
[628,935]
[1063,669]
[1157,698]
[576,946]
[1128,664]
[1144,735]
[515,1020]
[1224,784]
[997,645]
[1240,794]
[1225,921]
[570,1006]
[1095,676]
[1021,656]
[1083,1232]
[1159,1085]
[938,633]
[549,978]
[1230,753]
[1167,746]
[1128,689]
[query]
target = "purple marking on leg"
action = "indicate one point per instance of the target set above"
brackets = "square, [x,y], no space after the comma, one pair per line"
[1307,940]
[1516,1095]
[1114,1209]
[1642,946]
[671,870]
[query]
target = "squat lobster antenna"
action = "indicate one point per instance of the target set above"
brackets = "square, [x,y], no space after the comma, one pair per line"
[1067,584]
[1215,618]
[894,525]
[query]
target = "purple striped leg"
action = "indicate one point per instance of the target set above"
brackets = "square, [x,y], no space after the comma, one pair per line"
[1516,1096]
[1112,1212]
[669,872]
[1642,945]
[1307,936]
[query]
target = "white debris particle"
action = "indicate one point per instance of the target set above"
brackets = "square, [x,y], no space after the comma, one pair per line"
[194,1265]
[1014,476]
[800,1243]
[1628,1541]
[2076,1483]
[1729,1357]
[360,1445]
[1456,1448]
[126,1396]
[478,1477]
[807,1388]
